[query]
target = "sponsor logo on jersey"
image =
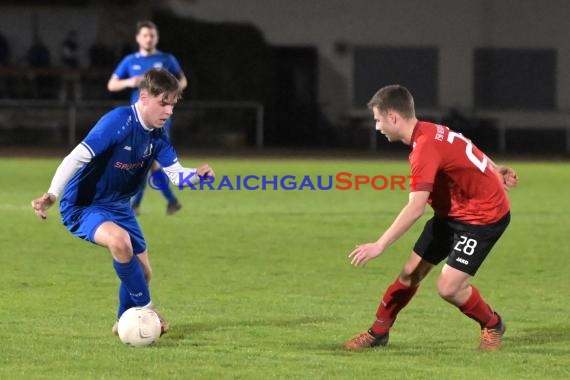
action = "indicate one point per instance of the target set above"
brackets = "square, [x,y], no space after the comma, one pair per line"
[128,165]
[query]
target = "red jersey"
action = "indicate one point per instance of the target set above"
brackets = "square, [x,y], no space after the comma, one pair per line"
[461,179]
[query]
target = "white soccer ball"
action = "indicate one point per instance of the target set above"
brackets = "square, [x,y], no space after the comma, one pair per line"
[139,327]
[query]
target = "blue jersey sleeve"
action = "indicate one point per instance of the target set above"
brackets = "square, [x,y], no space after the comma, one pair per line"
[173,66]
[122,70]
[165,154]
[108,131]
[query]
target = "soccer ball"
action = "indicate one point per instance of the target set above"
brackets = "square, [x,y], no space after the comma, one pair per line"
[139,327]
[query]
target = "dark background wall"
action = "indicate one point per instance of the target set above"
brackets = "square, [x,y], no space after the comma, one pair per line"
[483,66]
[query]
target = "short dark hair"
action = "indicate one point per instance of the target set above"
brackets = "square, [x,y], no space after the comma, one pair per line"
[146,24]
[394,97]
[160,81]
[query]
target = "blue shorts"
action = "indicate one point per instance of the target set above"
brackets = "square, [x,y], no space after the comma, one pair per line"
[84,221]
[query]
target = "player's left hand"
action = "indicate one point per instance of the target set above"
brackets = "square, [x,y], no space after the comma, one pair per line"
[363,253]
[510,178]
[136,81]
[206,172]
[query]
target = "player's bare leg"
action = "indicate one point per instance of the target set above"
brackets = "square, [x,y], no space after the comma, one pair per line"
[116,239]
[395,298]
[145,263]
[453,286]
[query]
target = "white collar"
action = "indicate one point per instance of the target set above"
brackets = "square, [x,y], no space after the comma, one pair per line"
[140,120]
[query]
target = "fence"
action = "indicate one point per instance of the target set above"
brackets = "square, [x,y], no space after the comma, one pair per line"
[504,131]
[56,122]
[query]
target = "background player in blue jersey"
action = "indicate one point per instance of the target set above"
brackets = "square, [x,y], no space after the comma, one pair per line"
[128,74]
[96,181]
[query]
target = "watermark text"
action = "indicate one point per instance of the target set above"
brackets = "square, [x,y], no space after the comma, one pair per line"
[339,181]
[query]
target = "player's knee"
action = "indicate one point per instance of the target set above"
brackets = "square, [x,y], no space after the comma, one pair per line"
[121,247]
[447,290]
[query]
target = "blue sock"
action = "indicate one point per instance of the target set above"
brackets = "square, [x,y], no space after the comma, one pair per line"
[132,277]
[125,301]
[169,195]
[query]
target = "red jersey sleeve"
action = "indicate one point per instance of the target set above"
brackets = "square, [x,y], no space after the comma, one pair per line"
[425,162]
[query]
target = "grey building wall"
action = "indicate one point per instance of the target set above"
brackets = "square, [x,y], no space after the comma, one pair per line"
[457,27]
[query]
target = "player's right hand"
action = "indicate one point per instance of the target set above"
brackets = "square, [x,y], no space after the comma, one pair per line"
[41,204]
[363,253]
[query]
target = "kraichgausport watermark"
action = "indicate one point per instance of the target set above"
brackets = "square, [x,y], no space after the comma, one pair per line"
[339,181]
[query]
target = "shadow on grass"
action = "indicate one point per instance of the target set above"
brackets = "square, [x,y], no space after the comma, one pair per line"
[517,341]
[323,344]
[332,345]
[184,330]
[532,339]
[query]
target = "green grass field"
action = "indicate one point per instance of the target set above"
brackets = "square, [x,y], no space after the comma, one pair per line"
[257,284]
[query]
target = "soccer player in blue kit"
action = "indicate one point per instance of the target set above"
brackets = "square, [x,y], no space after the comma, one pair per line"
[96,181]
[128,74]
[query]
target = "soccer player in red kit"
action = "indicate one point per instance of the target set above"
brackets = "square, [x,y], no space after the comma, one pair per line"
[471,211]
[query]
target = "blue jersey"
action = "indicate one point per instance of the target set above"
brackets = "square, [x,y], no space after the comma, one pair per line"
[136,64]
[122,151]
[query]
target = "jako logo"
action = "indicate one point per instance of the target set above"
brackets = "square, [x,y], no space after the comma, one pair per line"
[462,261]
[341,181]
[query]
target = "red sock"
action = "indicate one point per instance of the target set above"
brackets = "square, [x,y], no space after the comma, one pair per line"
[476,308]
[396,297]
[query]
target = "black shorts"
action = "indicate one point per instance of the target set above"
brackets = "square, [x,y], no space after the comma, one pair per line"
[464,245]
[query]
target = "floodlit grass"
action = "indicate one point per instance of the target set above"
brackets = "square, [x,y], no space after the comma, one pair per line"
[256,284]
